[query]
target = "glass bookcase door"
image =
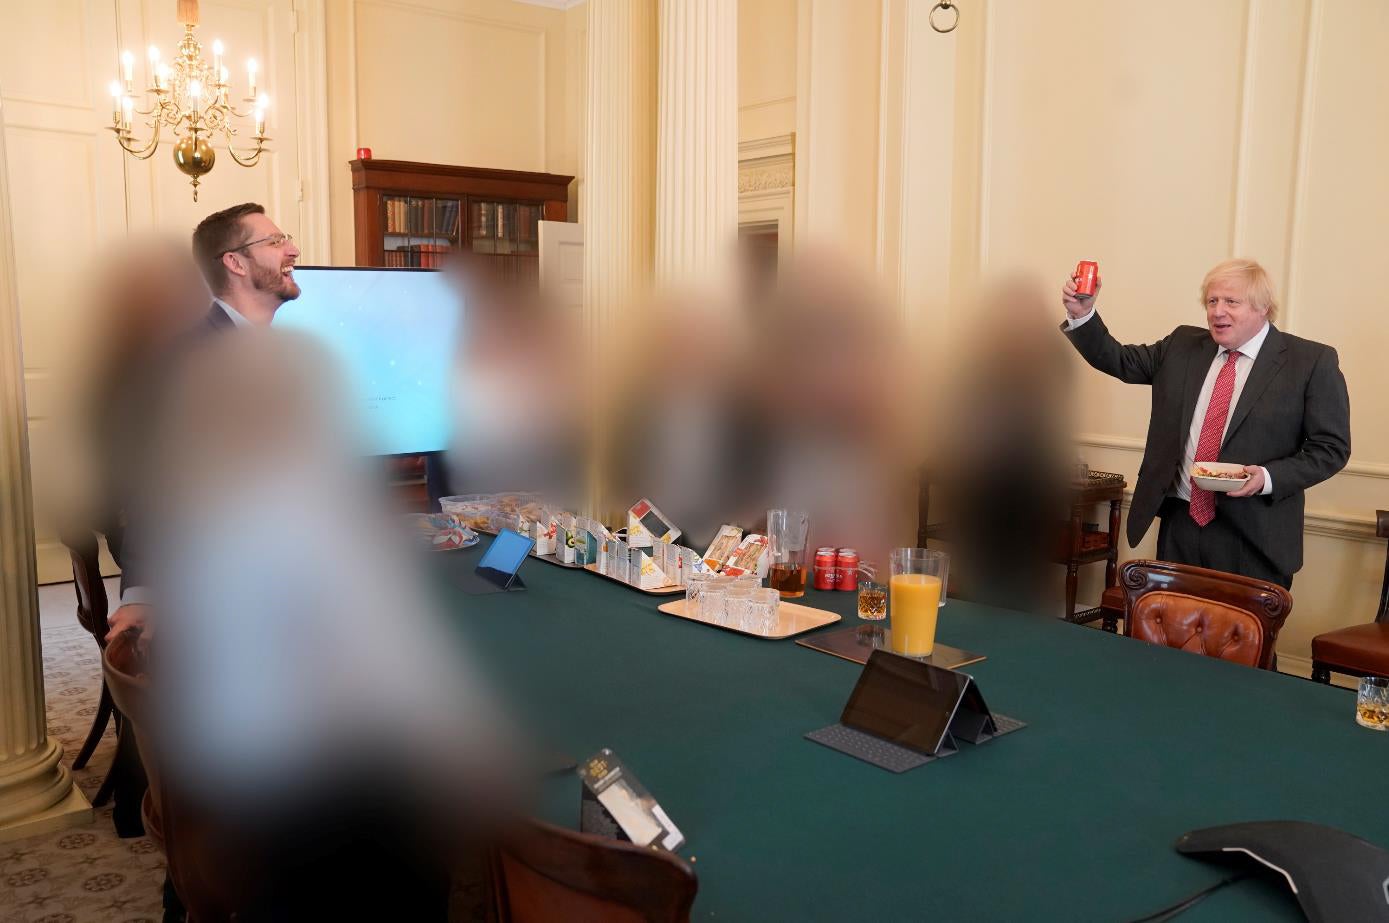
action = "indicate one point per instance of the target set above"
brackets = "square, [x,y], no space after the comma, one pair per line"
[504,227]
[419,230]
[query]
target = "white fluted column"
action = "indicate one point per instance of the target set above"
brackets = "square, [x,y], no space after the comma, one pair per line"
[36,790]
[619,169]
[697,141]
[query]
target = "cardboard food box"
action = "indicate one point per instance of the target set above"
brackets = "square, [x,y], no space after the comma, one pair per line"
[748,558]
[646,524]
[723,546]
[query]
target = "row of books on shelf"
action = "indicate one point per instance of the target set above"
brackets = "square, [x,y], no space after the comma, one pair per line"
[422,216]
[505,221]
[417,256]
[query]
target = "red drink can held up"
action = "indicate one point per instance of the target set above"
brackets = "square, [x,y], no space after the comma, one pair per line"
[1087,273]
[847,564]
[825,576]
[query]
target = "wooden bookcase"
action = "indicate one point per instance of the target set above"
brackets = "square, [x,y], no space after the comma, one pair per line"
[411,214]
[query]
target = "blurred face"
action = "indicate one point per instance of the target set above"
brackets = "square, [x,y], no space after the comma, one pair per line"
[1232,318]
[270,263]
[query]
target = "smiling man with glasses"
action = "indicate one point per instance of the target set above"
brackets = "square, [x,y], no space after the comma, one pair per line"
[248,263]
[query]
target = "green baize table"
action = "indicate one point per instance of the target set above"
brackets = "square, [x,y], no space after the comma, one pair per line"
[1128,745]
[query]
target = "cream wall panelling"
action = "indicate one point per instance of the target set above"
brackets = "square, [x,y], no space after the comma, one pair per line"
[837,127]
[66,201]
[397,68]
[766,68]
[80,193]
[284,36]
[417,114]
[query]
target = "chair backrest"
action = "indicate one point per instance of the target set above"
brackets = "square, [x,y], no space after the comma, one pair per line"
[1207,612]
[542,873]
[86,576]
[1382,530]
[207,890]
[124,667]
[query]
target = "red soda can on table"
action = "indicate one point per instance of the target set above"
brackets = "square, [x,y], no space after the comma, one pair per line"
[1087,274]
[825,576]
[846,562]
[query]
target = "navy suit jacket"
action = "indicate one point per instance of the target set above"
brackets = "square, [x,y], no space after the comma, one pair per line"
[1293,418]
[126,534]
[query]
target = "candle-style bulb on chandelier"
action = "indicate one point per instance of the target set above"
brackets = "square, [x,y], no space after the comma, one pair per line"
[190,99]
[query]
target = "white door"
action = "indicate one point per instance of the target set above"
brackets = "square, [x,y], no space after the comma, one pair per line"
[562,262]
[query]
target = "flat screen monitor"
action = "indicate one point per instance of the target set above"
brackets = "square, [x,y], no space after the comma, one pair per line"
[395,332]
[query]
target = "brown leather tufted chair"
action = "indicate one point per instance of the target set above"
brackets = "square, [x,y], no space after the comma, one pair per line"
[1359,650]
[1204,611]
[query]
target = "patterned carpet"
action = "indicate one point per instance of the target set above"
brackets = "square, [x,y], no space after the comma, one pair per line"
[88,874]
[84,873]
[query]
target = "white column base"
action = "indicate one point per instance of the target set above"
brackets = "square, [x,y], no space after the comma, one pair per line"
[73,811]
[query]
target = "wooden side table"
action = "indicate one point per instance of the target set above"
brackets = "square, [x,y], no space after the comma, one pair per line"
[1079,547]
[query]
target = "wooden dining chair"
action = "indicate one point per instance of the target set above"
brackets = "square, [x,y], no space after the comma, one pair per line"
[542,873]
[92,614]
[1207,612]
[1359,650]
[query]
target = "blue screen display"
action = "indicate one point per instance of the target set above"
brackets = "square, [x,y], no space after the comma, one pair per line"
[395,332]
[507,551]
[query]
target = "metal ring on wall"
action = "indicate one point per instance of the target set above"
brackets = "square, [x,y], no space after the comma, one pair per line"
[945,5]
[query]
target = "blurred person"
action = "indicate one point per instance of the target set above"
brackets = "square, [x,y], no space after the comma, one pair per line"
[323,743]
[688,434]
[248,265]
[519,394]
[830,389]
[1238,390]
[144,296]
[1002,470]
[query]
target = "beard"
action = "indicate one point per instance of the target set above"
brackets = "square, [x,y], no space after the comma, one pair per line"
[274,282]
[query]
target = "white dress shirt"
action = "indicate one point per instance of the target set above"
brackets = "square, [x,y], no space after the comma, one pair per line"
[1243,365]
[236,316]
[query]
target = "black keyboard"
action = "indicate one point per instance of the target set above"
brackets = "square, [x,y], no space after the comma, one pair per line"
[881,753]
[1006,724]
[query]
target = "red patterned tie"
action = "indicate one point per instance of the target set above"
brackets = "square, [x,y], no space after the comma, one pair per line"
[1212,431]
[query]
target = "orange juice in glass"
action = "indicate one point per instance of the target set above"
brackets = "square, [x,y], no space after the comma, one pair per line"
[915,587]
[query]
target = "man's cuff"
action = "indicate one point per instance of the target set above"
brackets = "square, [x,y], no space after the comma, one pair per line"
[1072,322]
[1268,482]
[136,596]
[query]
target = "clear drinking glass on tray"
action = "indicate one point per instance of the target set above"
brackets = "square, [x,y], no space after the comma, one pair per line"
[713,601]
[694,592]
[763,611]
[738,607]
[872,595]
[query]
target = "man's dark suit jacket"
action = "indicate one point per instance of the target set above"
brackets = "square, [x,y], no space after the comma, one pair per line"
[125,549]
[1293,418]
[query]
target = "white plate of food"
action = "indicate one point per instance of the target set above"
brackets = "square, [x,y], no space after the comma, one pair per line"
[442,531]
[1219,477]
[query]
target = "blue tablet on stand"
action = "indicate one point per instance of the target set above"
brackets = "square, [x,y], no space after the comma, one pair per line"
[503,558]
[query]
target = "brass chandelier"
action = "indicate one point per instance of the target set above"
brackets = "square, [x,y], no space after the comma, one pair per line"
[191,99]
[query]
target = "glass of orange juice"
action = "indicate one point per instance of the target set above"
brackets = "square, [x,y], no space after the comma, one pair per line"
[915,590]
